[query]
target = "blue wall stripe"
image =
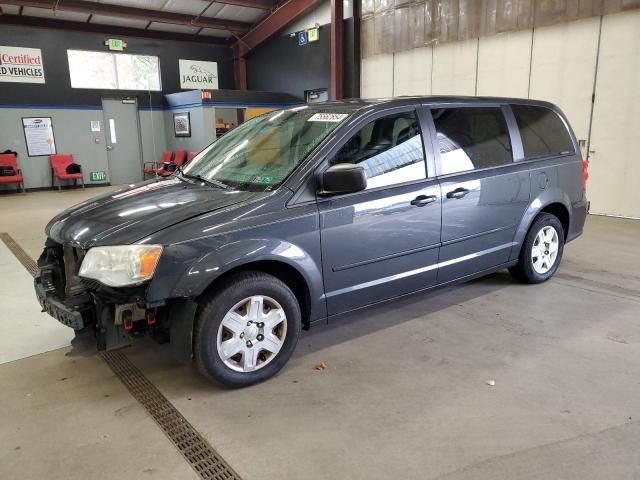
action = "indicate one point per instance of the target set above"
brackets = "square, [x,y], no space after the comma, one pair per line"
[152,107]
[53,107]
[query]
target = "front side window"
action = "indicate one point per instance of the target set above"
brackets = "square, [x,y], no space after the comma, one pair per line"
[259,154]
[542,131]
[389,149]
[471,138]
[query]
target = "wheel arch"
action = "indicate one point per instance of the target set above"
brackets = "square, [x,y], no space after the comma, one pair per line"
[554,202]
[279,269]
[561,212]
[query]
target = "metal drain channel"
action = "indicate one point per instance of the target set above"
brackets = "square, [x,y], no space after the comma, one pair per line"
[204,460]
[22,256]
[207,463]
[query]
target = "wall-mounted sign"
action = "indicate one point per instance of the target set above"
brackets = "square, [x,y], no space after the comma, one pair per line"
[198,75]
[38,133]
[19,64]
[303,38]
[115,44]
[313,34]
[98,176]
[95,125]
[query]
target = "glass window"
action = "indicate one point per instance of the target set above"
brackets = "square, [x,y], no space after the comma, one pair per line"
[471,138]
[113,71]
[389,149]
[542,131]
[259,154]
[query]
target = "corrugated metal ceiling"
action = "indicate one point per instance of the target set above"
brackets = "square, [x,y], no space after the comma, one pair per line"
[203,8]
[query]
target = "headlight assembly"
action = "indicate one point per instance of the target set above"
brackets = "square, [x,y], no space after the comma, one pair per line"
[122,265]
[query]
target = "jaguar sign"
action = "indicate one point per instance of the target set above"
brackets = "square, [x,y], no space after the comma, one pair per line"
[198,75]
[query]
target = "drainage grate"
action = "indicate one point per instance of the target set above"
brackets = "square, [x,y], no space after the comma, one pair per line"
[207,463]
[22,256]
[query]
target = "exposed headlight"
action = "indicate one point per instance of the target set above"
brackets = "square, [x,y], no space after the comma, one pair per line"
[120,266]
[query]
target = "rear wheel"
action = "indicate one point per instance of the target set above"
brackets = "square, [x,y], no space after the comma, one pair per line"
[541,252]
[247,331]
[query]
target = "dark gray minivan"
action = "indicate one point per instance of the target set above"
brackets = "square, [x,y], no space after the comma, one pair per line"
[307,213]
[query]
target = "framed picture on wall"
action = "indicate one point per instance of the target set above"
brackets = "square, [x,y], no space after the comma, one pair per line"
[182,124]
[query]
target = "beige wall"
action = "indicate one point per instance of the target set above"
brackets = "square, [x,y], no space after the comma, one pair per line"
[557,64]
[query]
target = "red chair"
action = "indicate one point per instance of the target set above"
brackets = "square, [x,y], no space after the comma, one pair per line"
[191,156]
[180,158]
[59,164]
[9,160]
[157,168]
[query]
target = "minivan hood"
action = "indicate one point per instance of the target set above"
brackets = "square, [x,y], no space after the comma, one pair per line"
[137,211]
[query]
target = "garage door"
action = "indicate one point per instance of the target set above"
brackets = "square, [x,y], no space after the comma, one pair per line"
[615,164]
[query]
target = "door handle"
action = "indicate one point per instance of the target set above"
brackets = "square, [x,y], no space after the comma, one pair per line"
[422,200]
[458,193]
[109,147]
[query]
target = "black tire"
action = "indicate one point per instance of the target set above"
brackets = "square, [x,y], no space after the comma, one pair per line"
[213,310]
[524,271]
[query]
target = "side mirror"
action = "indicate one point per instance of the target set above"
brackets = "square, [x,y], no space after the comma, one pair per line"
[344,178]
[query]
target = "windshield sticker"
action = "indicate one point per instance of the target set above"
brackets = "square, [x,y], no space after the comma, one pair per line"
[328,117]
[263,180]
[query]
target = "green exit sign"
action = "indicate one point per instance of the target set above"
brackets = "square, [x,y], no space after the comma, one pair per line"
[115,44]
[98,176]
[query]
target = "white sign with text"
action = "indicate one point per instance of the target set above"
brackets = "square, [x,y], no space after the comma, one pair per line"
[18,64]
[198,75]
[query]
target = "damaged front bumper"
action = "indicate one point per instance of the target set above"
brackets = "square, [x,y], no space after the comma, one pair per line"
[74,316]
[114,315]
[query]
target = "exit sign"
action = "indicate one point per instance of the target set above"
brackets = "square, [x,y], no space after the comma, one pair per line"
[313,34]
[115,44]
[98,176]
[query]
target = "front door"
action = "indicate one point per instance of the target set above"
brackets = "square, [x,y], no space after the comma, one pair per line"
[383,241]
[484,193]
[123,140]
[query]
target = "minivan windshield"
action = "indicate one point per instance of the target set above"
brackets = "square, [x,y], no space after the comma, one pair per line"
[260,154]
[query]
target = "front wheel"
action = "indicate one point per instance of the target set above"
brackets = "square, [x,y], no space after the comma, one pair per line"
[247,331]
[541,252]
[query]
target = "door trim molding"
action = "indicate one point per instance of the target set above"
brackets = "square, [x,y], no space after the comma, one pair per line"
[385,257]
[410,273]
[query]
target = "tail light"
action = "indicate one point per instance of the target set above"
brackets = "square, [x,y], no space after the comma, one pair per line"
[585,173]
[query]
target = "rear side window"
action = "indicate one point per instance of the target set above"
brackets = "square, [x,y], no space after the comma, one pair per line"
[471,138]
[542,131]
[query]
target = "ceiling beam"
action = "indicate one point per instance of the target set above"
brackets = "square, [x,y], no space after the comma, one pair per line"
[107,29]
[282,16]
[260,4]
[159,16]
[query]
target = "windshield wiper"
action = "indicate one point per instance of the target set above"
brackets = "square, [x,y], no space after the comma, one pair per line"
[212,182]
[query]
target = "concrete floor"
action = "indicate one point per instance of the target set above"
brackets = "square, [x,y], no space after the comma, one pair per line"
[404,394]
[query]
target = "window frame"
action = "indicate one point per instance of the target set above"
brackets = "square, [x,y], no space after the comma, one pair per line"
[345,135]
[115,66]
[512,131]
[558,114]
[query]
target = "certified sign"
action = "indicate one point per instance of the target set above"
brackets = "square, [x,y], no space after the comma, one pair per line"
[198,75]
[22,65]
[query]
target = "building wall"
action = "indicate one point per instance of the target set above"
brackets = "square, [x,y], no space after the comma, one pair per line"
[281,65]
[73,109]
[588,67]
[392,26]
[203,130]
